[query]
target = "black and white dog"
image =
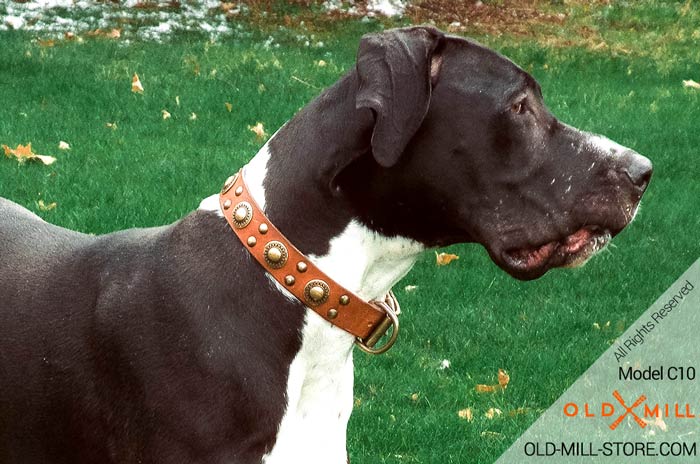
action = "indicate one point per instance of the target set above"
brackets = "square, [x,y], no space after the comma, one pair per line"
[171,345]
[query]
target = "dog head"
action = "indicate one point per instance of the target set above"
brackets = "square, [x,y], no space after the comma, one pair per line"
[463,149]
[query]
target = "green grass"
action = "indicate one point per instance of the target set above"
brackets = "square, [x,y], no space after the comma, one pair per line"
[151,171]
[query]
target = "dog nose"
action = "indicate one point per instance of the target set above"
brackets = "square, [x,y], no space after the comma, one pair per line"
[638,168]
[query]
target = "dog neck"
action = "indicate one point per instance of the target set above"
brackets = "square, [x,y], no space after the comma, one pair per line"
[289,178]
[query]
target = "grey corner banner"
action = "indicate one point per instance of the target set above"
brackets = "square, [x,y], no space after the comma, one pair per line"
[639,402]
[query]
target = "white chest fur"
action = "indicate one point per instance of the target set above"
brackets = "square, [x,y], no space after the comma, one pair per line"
[320,384]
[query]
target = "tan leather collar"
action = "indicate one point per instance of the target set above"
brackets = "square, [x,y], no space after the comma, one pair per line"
[368,322]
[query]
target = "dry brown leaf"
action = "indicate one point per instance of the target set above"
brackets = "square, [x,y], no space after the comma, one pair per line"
[46,43]
[258,130]
[466,414]
[46,207]
[229,106]
[493,412]
[443,259]
[691,84]
[226,6]
[24,153]
[166,114]
[136,86]
[113,33]
[503,378]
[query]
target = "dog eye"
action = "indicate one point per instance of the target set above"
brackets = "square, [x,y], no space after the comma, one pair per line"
[518,107]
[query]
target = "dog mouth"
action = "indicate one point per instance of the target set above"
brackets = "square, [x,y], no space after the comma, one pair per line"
[570,251]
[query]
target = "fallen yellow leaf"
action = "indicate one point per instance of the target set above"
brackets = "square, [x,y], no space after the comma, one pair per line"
[63,145]
[493,412]
[691,84]
[44,207]
[321,63]
[481,388]
[229,106]
[657,422]
[443,259]
[193,116]
[517,412]
[177,100]
[414,397]
[46,43]
[24,153]
[111,125]
[258,130]
[136,86]
[466,414]
[166,114]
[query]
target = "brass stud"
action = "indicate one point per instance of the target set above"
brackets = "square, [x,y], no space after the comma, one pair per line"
[238,190]
[227,204]
[252,241]
[301,266]
[262,228]
[229,183]
[344,300]
[332,313]
[275,254]
[242,214]
[316,292]
[289,280]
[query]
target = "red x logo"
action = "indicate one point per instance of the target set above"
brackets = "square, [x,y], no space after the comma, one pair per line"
[628,410]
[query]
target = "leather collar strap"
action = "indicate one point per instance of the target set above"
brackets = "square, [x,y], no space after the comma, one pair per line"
[368,322]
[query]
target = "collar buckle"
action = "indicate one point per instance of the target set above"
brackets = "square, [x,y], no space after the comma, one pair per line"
[391,308]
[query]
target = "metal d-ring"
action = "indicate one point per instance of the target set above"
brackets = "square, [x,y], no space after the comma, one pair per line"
[390,306]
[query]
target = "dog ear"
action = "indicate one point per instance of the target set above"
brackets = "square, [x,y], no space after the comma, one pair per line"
[396,70]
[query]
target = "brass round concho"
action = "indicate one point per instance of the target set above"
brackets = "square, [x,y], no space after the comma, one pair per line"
[242,214]
[316,292]
[229,183]
[275,254]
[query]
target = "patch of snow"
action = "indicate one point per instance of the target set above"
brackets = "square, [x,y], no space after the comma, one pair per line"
[54,18]
[386,7]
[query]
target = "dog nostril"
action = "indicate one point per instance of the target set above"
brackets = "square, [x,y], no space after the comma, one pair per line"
[638,168]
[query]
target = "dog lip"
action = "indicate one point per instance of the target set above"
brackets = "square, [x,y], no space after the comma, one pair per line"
[530,262]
